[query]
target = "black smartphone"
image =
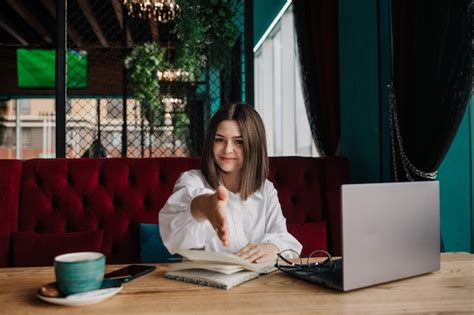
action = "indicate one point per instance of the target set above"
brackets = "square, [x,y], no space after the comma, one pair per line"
[129,273]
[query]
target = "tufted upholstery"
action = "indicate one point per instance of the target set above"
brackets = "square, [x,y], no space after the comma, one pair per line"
[116,195]
[309,191]
[113,195]
[10,174]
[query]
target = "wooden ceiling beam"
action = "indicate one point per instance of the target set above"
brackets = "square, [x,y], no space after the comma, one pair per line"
[119,14]
[8,26]
[31,19]
[71,31]
[118,11]
[154,30]
[89,14]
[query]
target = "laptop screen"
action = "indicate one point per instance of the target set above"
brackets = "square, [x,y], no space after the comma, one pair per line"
[389,231]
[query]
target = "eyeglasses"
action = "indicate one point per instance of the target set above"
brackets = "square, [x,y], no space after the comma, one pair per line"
[284,263]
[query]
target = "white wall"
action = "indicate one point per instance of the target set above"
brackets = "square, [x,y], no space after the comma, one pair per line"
[278,91]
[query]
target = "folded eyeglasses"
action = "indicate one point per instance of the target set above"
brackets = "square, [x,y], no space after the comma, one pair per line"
[284,263]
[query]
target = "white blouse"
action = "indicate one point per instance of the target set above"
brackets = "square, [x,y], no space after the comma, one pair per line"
[259,219]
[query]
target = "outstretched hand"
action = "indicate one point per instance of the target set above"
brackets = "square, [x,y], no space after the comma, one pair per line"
[218,217]
[213,207]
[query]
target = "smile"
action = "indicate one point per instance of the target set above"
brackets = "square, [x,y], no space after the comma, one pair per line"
[223,159]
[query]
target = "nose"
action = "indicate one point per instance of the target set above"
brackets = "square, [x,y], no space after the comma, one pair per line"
[228,147]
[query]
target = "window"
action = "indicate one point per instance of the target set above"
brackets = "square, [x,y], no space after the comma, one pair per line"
[114,108]
[25,106]
[27,128]
[278,91]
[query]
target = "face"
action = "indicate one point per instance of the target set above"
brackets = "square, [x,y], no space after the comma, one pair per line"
[228,147]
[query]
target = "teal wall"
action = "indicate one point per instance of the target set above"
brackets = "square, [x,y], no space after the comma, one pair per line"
[264,11]
[365,62]
[364,55]
[455,177]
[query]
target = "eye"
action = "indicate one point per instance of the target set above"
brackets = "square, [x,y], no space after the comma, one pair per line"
[239,141]
[218,140]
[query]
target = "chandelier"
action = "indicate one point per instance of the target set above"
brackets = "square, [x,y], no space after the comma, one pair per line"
[161,10]
[173,75]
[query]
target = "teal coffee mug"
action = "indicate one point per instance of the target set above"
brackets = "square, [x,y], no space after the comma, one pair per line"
[79,272]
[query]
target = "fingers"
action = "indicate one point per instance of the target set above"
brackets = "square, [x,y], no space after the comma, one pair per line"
[251,252]
[219,222]
[223,235]
[244,250]
[222,229]
[255,257]
[222,193]
[221,215]
[258,252]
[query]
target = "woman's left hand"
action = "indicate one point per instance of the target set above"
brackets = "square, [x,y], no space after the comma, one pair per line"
[257,253]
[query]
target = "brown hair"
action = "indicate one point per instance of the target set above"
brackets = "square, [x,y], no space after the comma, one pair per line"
[255,165]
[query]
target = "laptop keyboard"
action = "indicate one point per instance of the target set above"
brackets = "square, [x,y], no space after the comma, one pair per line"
[331,277]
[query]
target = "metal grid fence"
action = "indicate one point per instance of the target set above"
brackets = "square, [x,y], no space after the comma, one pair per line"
[168,97]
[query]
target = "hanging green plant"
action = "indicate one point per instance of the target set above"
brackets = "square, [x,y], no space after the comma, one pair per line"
[181,122]
[143,63]
[206,33]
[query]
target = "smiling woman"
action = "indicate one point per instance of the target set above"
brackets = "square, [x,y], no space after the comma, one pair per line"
[229,205]
[254,147]
[229,154]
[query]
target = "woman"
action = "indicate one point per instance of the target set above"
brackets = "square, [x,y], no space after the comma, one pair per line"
[229,205]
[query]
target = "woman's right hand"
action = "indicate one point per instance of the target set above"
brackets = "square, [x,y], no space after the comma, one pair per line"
[213,207]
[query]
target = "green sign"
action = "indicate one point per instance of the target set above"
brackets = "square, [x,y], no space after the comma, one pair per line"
[36,68]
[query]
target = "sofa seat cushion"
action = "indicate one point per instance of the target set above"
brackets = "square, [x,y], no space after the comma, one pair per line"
[312,235]
[152,249]
[39,249]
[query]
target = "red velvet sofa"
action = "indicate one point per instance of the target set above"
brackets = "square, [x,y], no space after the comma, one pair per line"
[50,206]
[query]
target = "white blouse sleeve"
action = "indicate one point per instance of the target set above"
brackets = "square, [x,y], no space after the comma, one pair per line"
[276,232]
[178,228]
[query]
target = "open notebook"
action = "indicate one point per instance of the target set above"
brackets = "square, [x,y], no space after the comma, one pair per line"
[220,270]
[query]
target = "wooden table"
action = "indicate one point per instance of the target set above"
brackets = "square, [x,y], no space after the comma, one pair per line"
[450,290]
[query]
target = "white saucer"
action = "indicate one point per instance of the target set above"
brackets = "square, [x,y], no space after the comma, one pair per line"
[84,298]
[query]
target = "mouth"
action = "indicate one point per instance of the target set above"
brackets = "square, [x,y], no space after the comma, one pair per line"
[227,159]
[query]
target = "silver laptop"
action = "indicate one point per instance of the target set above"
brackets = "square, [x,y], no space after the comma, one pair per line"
[390,231]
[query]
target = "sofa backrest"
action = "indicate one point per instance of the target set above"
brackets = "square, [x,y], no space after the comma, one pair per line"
[113,196]
[309,194]
[10,174]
